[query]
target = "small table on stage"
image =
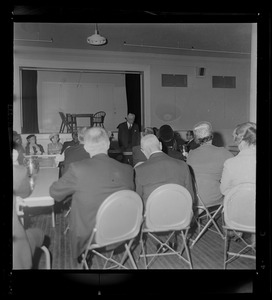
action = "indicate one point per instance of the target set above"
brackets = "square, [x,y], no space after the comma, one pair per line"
[40,195]
[75,116]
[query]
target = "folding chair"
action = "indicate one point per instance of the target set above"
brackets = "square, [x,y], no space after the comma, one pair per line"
[118,222]
[210,212]
[239,217]
[71,123]
[67,121]
[168,210]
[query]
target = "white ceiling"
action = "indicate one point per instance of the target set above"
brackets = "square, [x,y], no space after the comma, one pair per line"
[206,39]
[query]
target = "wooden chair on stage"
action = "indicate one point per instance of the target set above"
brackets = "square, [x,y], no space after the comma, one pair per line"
[98,119]
[68,122]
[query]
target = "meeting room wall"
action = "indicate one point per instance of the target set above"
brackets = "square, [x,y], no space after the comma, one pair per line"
[73,92]
[180,107]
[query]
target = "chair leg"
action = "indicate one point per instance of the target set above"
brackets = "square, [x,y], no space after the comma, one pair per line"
[210,221]
[226,244]
[53,217]
[47,257]
[130,255]
[184,238]
[61,127]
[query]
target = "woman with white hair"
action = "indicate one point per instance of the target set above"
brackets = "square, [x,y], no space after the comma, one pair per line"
[242,167]
[207,163]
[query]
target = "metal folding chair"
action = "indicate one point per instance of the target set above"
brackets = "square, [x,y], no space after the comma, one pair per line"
[118,222]
[239,217]
[168,210]
[210,212]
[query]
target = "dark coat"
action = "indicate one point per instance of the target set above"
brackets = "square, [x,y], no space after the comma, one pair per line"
[191,145]
[123,136]
[73,154]
[90,182]
[160,169]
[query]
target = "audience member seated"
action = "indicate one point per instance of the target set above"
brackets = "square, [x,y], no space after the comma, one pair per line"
[55,146]
[169,143]
[160,169]
[74,142]
[25,241]
[32,148]
[90,182]
[75,153]
[137,154]
[191,143]
[17,144]
[207,162]
[128,136]
[242,167]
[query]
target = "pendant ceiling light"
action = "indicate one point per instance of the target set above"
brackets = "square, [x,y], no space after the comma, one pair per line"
[96,39]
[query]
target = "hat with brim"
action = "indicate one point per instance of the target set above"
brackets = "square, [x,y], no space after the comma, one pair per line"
[166,133]
[30,136]
[52,135]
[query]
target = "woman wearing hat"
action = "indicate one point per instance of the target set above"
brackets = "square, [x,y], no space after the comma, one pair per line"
[32,148]
[207,163]
[55,146]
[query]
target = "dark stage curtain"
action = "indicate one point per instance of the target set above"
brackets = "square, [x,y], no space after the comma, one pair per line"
[133,91]
[29,101]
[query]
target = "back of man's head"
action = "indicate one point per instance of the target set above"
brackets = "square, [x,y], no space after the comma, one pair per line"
[81,134]
[150,144]
[96,140]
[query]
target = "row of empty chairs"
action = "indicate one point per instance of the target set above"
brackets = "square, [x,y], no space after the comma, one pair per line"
[121,219]
[69,123]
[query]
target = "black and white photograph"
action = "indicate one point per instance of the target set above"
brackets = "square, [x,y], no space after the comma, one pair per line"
[132,140]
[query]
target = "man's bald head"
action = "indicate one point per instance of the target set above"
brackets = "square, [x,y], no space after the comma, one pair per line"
[150,144]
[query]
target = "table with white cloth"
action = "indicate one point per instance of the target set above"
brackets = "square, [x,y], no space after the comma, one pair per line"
[40,196]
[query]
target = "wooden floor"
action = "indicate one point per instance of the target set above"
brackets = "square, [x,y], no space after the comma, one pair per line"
[206,254]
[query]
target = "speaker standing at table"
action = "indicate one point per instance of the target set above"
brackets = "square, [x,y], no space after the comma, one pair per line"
[128,137]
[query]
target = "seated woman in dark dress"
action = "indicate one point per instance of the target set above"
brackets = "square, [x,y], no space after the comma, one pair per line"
[32,148]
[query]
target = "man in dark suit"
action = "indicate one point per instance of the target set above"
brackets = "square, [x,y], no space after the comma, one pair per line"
[90,182]
[74,142]
[159,169]
[76,152]
[128,136]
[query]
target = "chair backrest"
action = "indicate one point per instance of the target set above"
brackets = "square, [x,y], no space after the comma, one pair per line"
[168,207]
[239,207]
[62,115]
[99,117]
[69,118]
[119,218]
